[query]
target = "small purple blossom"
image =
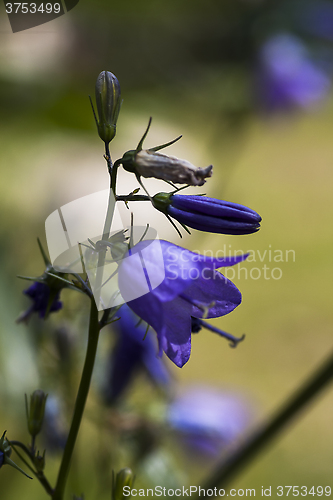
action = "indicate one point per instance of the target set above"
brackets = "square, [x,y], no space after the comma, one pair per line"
[207,419]
[133,352]
[191,287]
[212,215]
[316,18]
[1,458]
[40,295]
[287,76]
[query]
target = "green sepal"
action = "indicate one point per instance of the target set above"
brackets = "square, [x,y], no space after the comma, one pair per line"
[10,462]
[60,278]
[40,279]
[185,227]
[157,148]
[42,251]
[128,159]
[70,284]
[111,317]
[161,202]
[139,146]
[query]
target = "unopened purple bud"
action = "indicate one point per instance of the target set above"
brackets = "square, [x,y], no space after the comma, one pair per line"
[208,214]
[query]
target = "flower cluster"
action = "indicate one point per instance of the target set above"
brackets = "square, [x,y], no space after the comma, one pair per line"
[161,295]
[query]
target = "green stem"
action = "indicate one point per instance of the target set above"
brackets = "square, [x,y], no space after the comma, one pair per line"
[39,474]
[80,402]
[107,226]
[132,197]
[226,470]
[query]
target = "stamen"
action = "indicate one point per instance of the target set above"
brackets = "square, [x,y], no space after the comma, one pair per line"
[204,307]
[197,324]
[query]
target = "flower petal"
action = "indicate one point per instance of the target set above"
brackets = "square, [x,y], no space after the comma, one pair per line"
[210,224]
[214,207]
[217,289]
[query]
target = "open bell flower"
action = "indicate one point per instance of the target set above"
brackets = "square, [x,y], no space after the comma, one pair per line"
[190,286]
[208,214]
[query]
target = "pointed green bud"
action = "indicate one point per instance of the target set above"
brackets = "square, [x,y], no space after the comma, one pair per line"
[108,102]
[39,461]
[5,452]
[122,483]
[35,415]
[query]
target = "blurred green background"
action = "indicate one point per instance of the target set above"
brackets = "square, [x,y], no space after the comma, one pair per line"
[192,67]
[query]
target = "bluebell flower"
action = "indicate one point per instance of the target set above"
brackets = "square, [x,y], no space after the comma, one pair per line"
[189,285]
[287,76]
[40,295]
[134,351]
[208,214]
[207,420]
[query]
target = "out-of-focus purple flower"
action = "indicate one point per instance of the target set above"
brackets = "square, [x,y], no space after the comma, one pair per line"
[287,76]
[207,419]
[1,458]
[190,286]
[53,430]
[316,18]
[40,295]
[208,214]
[134,351]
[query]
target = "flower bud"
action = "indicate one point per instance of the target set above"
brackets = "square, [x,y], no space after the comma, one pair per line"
[35,416]
[150,163]
[108,104]
[169,168]
[124,478]
[208,214]
[161,202]
[39,461]
[5,449]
